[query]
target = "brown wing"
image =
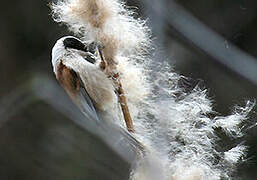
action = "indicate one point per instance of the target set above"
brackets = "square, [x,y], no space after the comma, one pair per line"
[68,79]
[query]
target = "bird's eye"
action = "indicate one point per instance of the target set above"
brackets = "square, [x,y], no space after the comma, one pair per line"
[74,44]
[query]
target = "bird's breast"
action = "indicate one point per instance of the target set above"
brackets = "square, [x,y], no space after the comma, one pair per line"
[100,89]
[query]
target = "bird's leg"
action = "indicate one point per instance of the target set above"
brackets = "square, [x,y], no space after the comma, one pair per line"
[115,76]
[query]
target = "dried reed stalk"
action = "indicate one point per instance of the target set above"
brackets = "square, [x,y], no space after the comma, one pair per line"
[115,76]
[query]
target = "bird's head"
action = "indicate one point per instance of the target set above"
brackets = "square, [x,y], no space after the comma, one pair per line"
[70,45]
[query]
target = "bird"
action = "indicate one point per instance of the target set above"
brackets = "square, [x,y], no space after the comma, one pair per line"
[77,66]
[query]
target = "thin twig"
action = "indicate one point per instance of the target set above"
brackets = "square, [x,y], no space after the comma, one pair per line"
[120,93]
[123,102]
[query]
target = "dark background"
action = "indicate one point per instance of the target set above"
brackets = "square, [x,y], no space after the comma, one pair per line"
[27,34]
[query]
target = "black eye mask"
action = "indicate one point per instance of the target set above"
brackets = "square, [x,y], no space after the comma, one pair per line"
[74,43]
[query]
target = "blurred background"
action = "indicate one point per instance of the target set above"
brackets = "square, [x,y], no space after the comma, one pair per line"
[207,41]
